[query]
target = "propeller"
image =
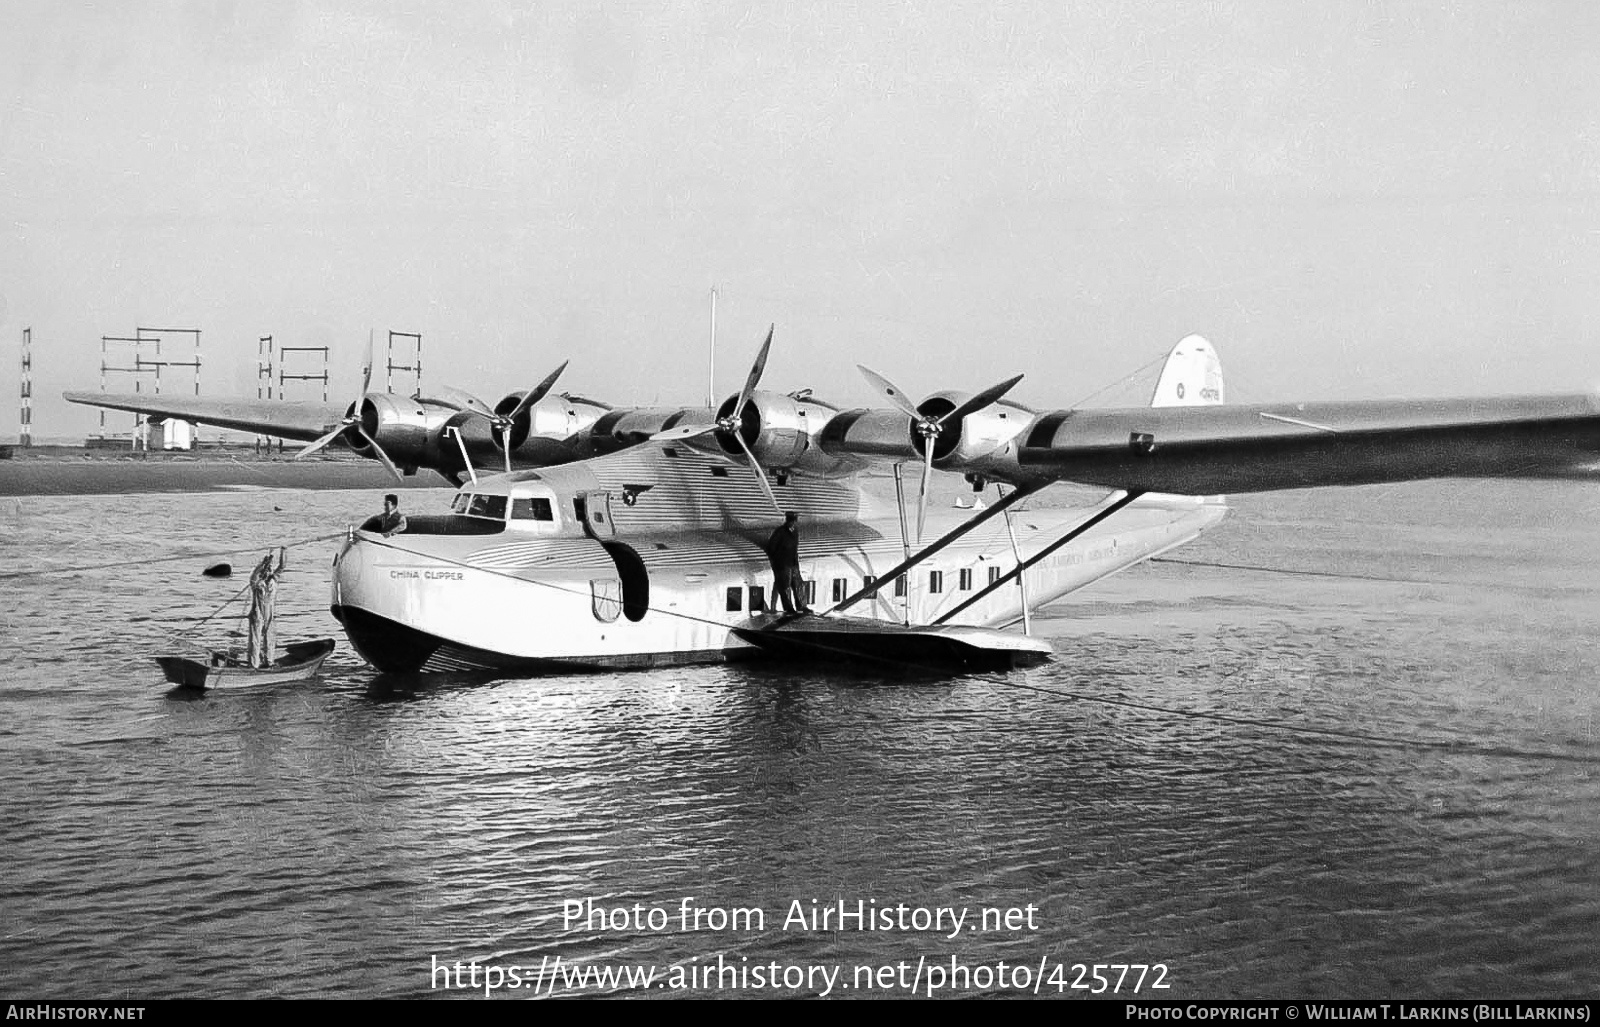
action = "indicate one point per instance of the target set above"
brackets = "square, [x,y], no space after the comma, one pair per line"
[503,423]
[500,424]
[734,421]
[930,428]
[352,420]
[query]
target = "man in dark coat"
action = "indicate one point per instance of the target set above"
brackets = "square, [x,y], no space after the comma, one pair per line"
[392,520]
[783,549]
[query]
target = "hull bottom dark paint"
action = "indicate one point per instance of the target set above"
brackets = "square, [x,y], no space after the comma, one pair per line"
[395,648]
[889,649]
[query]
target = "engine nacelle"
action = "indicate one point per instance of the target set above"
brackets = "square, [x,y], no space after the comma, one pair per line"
[781,432]
[985,442]
[405,428]
[554,417]
[418,433]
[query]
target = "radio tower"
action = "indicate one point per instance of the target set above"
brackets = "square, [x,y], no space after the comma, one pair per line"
[25,436]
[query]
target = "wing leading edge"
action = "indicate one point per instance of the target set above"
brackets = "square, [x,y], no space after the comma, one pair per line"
[286,419]
[1206,450]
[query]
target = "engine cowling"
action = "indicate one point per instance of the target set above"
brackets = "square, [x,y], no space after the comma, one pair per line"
[405,428]
[781,432]
[554,417]
[984,442]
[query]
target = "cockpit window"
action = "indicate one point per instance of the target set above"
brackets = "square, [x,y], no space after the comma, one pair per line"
[535,509]
[459,504]
[488,506]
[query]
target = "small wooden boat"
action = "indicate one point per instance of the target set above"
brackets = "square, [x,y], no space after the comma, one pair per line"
[300,660]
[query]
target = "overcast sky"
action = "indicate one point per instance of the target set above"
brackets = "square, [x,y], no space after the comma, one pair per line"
[1348,199]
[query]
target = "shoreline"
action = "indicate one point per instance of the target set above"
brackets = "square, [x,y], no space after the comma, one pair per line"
[75,472]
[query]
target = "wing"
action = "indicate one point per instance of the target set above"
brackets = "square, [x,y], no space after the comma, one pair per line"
[1207,450]
[289,420]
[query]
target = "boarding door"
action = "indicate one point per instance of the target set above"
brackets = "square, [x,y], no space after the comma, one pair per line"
[596,515]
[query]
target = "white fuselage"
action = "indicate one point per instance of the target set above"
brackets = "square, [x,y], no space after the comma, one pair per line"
[630,577]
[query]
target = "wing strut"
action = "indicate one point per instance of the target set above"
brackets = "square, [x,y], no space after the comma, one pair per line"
[1127,497]
[918,557]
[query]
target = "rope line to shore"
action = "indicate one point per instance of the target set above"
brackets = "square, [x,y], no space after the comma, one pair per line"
[46,571]
[1354,576]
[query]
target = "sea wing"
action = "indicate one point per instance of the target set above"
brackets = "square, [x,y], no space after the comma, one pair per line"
[1209,450]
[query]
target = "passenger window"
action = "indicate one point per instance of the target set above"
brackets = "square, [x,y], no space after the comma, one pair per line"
[936,581]
[811,593]
[964,579]
[758,598]
[867,580]
[900,585]
[839,585]
[735,598]
[994,575]
[537,509]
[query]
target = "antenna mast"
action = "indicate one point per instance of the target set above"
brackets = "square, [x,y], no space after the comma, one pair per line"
[711,357]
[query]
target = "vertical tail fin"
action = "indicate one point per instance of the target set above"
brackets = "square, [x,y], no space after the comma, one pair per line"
[1192,376]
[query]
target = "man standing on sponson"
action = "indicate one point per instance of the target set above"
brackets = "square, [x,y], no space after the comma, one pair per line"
[783,549]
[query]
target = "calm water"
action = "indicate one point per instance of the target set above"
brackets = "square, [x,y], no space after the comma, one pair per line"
[1276,785]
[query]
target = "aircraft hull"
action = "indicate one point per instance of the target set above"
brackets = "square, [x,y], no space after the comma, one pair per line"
[439,602]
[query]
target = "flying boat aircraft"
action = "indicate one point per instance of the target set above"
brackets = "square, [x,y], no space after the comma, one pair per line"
[654,554]
[447,430]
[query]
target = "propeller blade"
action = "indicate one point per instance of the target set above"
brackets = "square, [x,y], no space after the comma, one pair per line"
[922,493]
[538,392]
[320,443]
[381,455]
[754,379]
[761,476]
[981,400]
[889,392]
[683,431]
[505,448]
[366,366]
[474,404]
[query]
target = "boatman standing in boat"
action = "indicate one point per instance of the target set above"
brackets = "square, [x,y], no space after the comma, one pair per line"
[263,588]
[783,549]
[392,520]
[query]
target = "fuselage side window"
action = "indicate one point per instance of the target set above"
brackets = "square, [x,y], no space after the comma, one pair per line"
[459,504]
[994,575]
[811,593]
[964,579]
[535,509]
[839,585]
[758,598]
[900,585]
[735,598]
[488,506]
[936,581]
